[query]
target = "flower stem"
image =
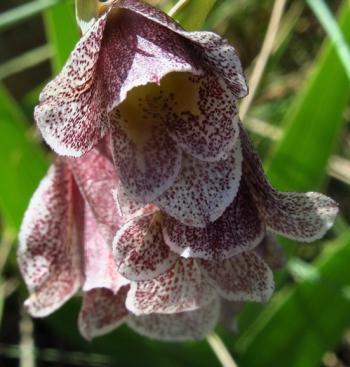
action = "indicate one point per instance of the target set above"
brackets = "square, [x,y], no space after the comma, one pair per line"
[177,7]
[220,350]
[264,55]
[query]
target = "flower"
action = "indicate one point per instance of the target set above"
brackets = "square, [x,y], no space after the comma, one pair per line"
[65,245]
[166,97]
[161,213]
[63,242]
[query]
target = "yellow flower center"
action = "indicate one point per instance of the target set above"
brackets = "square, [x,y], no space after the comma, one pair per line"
[150,106]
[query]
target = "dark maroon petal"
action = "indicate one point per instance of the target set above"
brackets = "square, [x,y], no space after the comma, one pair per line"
[97,179]
[139,249]
[136,51]
[182,288]
[149,166]
[71,114]
[203,190]
[190,325]
[238,229]
[244,277]
[49,247]
[211,49]
[209,131]
[100,270]
[303,217]
[102,311]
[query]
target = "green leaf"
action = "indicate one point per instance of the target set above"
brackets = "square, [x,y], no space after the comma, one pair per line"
[22,162]
[304,321]
[314,122]
[194,13]
[327,20]
[62,32]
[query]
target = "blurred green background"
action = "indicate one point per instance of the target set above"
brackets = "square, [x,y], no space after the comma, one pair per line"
[299,119]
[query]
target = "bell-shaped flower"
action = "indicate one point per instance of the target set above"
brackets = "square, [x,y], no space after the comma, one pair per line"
[166,97]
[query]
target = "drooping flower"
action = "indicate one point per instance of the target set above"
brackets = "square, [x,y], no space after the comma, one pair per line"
[166,97]
[66,232]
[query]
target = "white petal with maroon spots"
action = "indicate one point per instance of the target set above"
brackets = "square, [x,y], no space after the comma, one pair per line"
[303,217]
[139,249]
[71,113]
[182,288]
[244,277]
[214,51]
[203,190]
[238,229]
[190,325]
[102,311]
[272,253]
[49,247]
[211,134]
[146,170]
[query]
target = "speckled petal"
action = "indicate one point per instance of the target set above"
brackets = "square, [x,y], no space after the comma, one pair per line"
[212,50]
[49,247]
[182,288]
[100,270]
[102,311]
[244,277]
[136,51]
[71,114]
[139,249]
[303,217]
[191,325]
[203,190]
[148,169]
[97,179]
[238,229]
[210,132]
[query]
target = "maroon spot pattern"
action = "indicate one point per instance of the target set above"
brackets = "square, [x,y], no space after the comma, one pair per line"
[303,217]
[139,249]
[102,311]
[238,229]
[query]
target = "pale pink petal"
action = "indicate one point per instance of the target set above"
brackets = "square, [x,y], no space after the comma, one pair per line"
[210,130]
[272,253]
[211,49]
[100,270]
[96,177]
[102,311]
[303,217]
[49,244]
[190,325]
[203,190]
[182,288]
[139,249]
[244,277]
[71,114]
[238,229]
[148,169]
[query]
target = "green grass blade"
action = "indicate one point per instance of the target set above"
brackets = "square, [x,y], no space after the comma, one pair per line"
[314,122]
[62,32]
[22,162]
[21,13]
[328,22]
[194,13]
[308,319]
